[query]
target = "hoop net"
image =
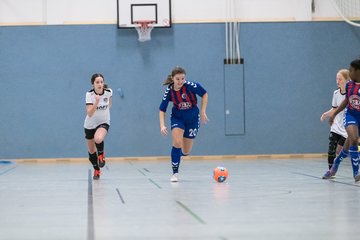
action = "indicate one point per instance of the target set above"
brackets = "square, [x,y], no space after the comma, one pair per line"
[144,30]
[349,10]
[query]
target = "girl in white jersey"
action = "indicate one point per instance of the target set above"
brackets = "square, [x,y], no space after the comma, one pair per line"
[97,121]
[338,133]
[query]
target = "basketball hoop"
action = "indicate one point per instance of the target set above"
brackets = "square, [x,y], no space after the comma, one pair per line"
[144,30]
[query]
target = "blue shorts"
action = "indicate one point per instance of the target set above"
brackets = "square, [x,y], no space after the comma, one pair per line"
[190,127]
[350,119]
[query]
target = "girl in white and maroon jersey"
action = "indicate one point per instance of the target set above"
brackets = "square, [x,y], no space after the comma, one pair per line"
[97,121]
[338,133]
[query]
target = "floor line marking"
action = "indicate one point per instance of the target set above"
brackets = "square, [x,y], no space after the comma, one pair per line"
[142,172]
[7,170]
[121,198]
[155,183]
[332,180]
[90,213]
[190,212]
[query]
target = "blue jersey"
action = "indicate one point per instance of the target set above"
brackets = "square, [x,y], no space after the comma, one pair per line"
[353,97]
[184,100]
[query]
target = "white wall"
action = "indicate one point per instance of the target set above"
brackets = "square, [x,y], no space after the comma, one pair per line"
[38,12]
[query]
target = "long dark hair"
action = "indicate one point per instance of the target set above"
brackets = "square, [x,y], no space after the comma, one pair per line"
[176,70]
[95,75]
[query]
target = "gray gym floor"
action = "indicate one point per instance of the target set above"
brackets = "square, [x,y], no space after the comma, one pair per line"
[134,199]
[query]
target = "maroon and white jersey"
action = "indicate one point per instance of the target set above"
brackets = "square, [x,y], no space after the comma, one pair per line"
[102,113]
[338,125]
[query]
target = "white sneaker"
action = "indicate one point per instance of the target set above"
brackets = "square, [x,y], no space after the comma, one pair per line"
[174,178]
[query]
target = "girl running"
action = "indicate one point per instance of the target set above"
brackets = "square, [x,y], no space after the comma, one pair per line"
[185,116]
[97,121]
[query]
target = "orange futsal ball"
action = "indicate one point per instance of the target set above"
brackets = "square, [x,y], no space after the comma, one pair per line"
[220,174]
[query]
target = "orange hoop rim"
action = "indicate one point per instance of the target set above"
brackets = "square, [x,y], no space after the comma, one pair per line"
[144,23]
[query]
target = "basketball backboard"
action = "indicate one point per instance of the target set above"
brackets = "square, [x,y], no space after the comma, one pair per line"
[131,11]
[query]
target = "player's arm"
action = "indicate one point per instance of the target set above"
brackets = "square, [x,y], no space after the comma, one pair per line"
[334,103]
[110,99]
[163,106]
[163,128]
[91,108]
[199,90]
[326,114]
[204,101]
[337,110]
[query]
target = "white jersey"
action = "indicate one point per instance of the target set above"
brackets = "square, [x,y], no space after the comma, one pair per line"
[338,125]
[102,113]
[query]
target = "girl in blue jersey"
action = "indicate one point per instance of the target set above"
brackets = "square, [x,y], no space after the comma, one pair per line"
[185,116]
[97,121]
[351,104]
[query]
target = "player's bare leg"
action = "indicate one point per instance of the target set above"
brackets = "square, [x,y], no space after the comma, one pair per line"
[187,146]
[353,136]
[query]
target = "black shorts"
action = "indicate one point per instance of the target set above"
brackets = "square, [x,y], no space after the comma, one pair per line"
[336,139]
[89,133]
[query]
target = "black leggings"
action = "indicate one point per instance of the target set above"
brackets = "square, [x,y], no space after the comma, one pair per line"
[334,140]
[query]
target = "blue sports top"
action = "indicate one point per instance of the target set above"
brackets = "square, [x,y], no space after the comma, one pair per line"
[353,96]
[184,99]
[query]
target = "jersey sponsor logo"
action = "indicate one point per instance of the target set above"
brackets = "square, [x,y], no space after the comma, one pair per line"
[354,101]
[184,105]
[103,107]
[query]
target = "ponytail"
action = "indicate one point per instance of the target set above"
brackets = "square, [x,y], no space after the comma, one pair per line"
[168,80]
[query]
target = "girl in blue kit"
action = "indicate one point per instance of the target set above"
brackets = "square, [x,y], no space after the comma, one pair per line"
[185,116]
[351,121]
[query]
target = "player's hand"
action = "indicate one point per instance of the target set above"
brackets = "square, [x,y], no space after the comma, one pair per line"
[97,99]
[323,117]
[163,130]
[204,118]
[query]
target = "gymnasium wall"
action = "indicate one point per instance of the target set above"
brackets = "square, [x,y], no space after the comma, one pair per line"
[55,12]
[289,77]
